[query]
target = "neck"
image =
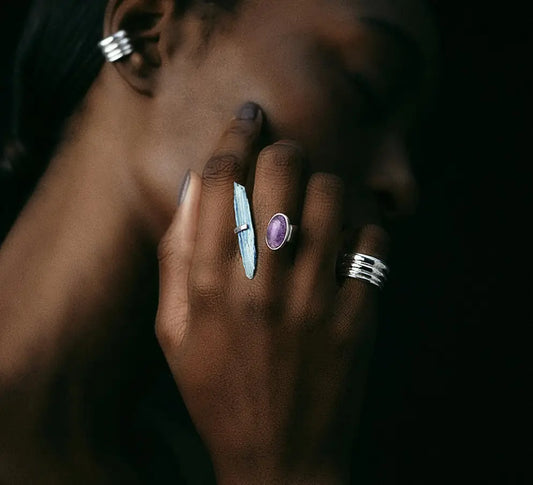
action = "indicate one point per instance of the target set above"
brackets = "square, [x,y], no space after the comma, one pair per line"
[78,276]
[103,160]
[78,287]
[81,248]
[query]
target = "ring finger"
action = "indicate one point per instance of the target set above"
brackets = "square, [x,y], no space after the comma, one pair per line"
[277,192]
[320,238]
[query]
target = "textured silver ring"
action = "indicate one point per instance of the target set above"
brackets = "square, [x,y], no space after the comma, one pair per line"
[371,260]
[279,232]
[364,267]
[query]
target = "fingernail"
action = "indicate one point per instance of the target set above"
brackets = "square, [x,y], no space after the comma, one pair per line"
[184,187]
[290,143]
[248,112]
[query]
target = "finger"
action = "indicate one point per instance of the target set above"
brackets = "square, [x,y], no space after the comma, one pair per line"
[319,235]
[229,163]
[356,298]
[175,254]
[277,189]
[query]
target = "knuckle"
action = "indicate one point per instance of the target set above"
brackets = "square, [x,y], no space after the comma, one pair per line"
[264,305]
[205,286]
[311,307]
[279,156]
[260,304]
[325,183]
[222,167]
[303,312]
[306,314]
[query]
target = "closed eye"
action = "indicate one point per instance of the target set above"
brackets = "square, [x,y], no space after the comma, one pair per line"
[375,107]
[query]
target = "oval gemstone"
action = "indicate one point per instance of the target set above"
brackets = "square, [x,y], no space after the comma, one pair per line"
[276,232]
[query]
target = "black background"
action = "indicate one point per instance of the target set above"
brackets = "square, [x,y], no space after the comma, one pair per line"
[450,388]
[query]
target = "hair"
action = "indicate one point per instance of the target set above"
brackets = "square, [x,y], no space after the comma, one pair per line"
[56,62]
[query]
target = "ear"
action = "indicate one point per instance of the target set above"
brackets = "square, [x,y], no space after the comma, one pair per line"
[392,182]
[144,21]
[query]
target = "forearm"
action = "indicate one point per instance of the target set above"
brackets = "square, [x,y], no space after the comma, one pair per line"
[68,274]
[55,370]
[269,465]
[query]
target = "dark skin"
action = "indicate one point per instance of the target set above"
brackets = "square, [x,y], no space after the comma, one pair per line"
[265,374]
[77,266]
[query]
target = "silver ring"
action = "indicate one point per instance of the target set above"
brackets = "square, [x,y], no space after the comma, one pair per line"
[279,231]
[364,267]
[116,46]
[246,237]
[241,228]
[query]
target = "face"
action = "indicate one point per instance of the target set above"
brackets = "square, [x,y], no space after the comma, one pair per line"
[344,85]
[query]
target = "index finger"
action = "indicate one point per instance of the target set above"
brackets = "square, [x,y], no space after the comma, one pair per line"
[229,163]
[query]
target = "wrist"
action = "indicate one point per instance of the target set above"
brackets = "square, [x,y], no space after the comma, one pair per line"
[253,471]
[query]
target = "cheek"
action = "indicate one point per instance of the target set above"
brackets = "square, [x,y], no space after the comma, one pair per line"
[296,104]
[308,105]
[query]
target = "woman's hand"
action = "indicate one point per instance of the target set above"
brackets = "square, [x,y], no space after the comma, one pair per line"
[271,369]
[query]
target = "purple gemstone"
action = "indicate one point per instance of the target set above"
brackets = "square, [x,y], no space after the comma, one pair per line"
[276,231]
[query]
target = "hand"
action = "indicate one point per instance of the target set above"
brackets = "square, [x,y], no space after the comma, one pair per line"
[271,369]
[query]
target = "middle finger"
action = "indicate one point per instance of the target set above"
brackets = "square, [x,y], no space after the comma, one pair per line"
[277,189]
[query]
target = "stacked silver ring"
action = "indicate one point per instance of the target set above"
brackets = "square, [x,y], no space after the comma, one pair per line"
[364,267]
[116,46]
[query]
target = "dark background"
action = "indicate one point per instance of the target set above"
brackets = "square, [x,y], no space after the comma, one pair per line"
[450,387]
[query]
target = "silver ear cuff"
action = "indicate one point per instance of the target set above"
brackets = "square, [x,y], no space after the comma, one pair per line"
[116,46]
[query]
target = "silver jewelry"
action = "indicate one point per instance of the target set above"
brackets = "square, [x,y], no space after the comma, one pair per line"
[241,228]
[364,267]
[279,232]
[245,230]
[116,46]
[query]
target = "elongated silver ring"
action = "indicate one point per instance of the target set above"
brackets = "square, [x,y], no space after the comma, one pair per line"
[364,267]
[116,46]
[279,232]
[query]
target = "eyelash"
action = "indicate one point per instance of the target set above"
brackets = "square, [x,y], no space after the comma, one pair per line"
[374,109]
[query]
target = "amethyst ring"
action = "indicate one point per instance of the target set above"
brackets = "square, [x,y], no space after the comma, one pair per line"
[280,231]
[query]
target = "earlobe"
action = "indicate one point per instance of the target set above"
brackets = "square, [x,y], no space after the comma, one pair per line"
[133,29]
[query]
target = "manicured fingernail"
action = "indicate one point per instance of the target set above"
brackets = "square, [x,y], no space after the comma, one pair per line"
[184,187]
[248,112]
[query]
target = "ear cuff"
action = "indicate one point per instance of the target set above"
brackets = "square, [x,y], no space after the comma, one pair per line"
[116,46]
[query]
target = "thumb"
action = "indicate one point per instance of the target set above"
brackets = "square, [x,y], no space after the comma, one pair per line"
[175,254]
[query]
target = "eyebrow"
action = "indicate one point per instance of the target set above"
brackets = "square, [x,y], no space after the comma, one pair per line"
[420,63]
